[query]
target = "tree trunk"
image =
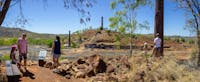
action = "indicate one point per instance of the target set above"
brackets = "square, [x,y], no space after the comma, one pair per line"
[131,42]
[159,22]
[4,11]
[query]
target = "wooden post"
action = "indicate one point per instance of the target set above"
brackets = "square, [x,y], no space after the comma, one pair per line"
[159,21]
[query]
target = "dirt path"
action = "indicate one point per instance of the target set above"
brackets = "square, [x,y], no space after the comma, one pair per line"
[41,74]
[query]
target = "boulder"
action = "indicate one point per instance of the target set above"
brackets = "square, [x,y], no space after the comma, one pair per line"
[65,61]
[49,65]
[124,61]
[81,61]
[80,74]
[110,69]
[139,76]
[97,63]
[90,71]
[82,66]
[67,76]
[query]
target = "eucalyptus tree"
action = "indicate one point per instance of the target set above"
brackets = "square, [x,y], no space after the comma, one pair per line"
[79,5]
[124,19]
[192,10]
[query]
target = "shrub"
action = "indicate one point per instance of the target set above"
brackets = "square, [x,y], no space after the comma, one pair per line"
[73,45]
[5,57]
[1,42]
[49,43]
[191,42]
[194,55]
[134,35]
[182,39]
[101,28]
[166,38]
[117,44]
[108,31]
[117,38]
[177,40]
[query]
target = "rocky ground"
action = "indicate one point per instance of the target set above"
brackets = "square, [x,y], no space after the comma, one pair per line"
[86,65]
[95,68]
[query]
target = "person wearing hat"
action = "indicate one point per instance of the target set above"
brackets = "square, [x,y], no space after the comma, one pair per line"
[23,48]
[12,55]
[157,46]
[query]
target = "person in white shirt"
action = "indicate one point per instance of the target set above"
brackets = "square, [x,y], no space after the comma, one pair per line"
[145,47]
[157,46]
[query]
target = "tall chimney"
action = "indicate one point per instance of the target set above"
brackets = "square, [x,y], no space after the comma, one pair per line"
[102,21]
[69,40]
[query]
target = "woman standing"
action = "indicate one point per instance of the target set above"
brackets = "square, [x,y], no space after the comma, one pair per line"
[56,51]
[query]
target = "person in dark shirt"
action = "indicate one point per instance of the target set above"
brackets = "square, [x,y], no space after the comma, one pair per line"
[56,51]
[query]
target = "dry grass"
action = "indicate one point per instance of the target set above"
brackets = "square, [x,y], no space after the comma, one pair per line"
[168,69]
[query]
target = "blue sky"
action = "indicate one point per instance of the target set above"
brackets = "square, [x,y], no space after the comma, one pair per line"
[54,18]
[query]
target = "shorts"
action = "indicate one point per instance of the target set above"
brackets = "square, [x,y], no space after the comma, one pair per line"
[23,56]
[156,51]
[56,55]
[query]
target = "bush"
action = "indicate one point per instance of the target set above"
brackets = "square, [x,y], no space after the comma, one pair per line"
[73,45]
[177,40]
[182,39]
[1,42]
[117,38]
[166,38]
[194,55]
[191,42]
[108,31]
[101,28]
[49,43]
[5,57]
[117,44]
[134,35]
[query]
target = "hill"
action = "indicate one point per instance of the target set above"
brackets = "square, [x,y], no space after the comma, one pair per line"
[7,32]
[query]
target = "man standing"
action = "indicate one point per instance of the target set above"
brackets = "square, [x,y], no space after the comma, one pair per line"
[23,48]
[157,46]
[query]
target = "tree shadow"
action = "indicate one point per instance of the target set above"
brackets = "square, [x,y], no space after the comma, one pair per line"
[29,74]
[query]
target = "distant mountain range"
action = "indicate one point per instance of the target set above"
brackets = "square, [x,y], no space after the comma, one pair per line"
[7,32]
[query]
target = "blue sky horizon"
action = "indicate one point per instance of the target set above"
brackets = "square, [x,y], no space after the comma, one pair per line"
[55,19]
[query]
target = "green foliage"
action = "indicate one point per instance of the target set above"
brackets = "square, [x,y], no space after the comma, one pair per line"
[194,55]
[47,42]
[8,42]
[73,45]
[117,38]
[166,38]
[101,28]
[1,42]
[191,41]
[124,19]
[61,58]
[108,31]
[5,57]
[13,41]
[117,44]
[133,35]
[177,40]
[99,31]
[182,39]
